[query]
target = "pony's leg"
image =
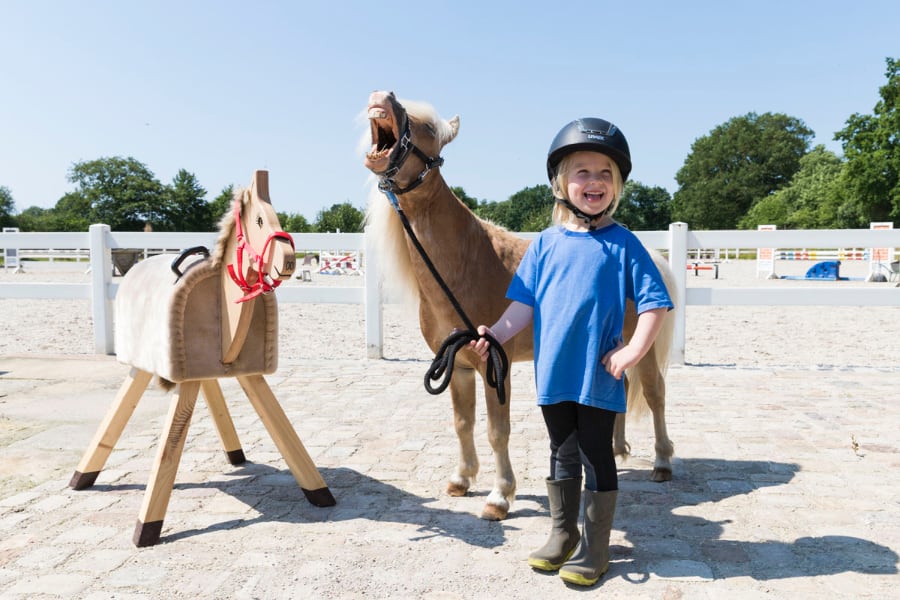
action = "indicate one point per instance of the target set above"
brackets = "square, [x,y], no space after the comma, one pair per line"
[654,388]
[462,393]
[502,496]
[621,447]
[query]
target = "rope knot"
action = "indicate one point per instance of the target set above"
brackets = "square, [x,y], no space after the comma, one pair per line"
[442,365]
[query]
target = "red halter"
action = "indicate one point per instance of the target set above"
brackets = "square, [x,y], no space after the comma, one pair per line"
[264,284]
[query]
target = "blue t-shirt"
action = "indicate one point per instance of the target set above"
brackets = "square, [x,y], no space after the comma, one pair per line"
[577,283]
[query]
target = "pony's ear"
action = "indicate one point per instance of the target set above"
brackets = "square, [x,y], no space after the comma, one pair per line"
[454,128]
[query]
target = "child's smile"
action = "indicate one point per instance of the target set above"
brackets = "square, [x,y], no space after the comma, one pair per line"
[590,182]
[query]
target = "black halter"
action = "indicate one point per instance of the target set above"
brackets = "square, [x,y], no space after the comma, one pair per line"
[442,365]
[399,155]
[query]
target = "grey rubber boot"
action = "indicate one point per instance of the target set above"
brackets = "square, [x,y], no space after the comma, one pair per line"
[565,505]
[591,558]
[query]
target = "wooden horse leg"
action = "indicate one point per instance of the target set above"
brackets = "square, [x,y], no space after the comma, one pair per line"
[110,429]
[286,439]
[215,400]
[168,455]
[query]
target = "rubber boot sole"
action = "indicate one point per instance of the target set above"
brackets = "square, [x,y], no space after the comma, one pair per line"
[545,565]
[579,579]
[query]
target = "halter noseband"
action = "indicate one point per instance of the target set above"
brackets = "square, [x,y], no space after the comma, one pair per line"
[264,284]
[386,182]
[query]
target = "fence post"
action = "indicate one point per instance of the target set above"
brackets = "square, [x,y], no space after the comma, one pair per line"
[373,300]
[101,280]
[678,235]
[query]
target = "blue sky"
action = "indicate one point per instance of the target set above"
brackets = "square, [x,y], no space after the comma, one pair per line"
[222,88]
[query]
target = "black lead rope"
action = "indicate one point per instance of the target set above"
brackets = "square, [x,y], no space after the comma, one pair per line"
[442,365]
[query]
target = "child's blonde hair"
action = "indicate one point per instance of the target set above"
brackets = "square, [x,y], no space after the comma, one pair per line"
[561,213]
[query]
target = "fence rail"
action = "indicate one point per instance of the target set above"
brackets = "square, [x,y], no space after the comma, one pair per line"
[676,243]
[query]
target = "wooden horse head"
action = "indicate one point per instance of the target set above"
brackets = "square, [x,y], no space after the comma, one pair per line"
[189,319]
[169,315]
[257,256]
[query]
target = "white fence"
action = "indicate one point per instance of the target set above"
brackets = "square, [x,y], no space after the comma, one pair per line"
[676,242]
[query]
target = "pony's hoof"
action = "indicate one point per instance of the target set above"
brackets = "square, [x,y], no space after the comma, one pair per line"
[457,489]
[660,475]
[492,512]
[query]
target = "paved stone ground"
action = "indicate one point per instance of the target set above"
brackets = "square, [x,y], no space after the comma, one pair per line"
[785,487]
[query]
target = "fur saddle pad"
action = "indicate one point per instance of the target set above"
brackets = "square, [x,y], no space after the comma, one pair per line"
[171,326]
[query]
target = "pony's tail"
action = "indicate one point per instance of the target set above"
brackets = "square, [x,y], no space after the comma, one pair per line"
[661,349]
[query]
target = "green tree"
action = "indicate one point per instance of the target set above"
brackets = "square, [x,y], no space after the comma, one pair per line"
[122,192]
[294,223]
[344,217]
[871,145]
[771,210]
[71,213]
[188,208]
[529,209]
[643,208]
[33,218]
[222,203]
[815,198]
[466,199]
[7,208]
[737,165]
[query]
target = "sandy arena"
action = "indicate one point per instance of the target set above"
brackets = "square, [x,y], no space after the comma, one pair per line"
[784,421]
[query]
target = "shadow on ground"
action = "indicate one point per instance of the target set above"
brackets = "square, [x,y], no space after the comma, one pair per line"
[664,541]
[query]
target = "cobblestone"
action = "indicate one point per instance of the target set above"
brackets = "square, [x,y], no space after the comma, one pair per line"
[782,489]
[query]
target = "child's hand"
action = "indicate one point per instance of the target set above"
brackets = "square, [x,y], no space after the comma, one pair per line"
[619,359]
[481,345]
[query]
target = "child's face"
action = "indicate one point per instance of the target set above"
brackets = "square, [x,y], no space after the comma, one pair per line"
[589,184]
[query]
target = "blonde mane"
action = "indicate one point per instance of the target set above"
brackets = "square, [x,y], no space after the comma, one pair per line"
[226,230]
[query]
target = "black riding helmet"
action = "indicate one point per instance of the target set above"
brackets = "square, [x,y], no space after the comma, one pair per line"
[597,135]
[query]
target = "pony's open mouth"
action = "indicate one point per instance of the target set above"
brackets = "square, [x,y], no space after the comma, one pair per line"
[384,134]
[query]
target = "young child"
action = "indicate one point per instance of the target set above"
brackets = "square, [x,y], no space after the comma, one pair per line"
[573,283]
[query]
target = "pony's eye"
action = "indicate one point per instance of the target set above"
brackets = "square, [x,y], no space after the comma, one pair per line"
[259,222]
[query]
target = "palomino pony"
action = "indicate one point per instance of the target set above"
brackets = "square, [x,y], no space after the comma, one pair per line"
[477,261]
[190,322]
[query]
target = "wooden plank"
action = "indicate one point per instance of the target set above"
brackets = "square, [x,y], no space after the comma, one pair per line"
[796,296]
[168,455]
[286,440]
[215,400]
[110,429]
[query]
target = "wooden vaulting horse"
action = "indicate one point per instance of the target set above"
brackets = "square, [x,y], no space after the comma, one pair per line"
[190,322]
[476,260]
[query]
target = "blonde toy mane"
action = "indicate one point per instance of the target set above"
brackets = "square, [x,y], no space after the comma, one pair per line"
[226,229]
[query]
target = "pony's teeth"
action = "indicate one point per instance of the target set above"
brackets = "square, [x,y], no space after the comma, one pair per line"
[377,113]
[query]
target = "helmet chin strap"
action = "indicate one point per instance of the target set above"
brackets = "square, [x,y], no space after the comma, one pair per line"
[588,219]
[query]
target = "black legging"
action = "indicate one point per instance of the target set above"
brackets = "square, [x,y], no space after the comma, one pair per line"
[582,436]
